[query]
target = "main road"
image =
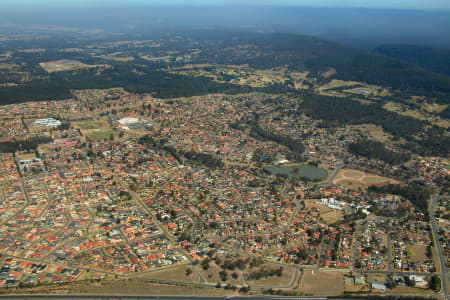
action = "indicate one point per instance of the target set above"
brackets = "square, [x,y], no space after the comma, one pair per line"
[437,243]
[103,297]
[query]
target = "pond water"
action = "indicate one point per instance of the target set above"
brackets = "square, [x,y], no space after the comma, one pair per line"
[309,171]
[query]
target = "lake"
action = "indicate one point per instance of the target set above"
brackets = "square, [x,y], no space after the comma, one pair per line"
[309,171]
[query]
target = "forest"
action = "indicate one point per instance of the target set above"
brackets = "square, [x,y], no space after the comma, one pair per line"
[428,58]
[377,150]
[340,111]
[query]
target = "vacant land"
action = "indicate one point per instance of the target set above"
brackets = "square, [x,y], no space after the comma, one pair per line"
[402,290]
[322,283]
[358,179]
[212,276]
[116,57]
[417,253]
[328,215]
[174,274]
[283,281]
[64,65]
[141,287]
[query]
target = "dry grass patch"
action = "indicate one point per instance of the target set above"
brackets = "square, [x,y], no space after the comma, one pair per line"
[319,283]
[32,50]
[403,290]
[212,274]
[330,72]
[299,75]
[174,274]
[64,65]
[417,253]
[6,66]
[335,83]
[142,287]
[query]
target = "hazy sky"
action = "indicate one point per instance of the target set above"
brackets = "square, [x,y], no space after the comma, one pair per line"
[400,4]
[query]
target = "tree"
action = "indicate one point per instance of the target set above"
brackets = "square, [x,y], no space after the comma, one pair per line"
[435,283]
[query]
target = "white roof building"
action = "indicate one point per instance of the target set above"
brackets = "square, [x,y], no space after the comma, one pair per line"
[128,121]
[48,122]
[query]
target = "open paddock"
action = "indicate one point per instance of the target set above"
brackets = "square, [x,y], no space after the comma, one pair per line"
[64,65]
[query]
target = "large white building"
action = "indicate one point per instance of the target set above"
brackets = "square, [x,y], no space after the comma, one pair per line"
[128,121]
[48,122]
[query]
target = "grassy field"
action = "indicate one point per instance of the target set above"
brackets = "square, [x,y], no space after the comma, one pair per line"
[275,281]
[101,135]
[86,125]
[374,131]
[97,131]
[322,283]
[404,110]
